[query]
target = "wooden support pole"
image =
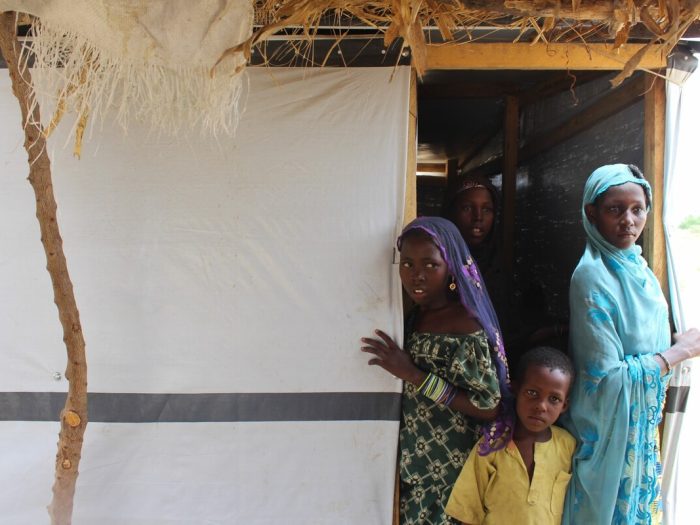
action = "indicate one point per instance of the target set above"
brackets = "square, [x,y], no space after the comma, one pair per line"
[74,414]
[411,197]
[439,169]
[511,133]
[654,240]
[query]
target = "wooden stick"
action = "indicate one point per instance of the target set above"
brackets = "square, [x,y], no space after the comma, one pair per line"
[541,56]
[654,240]
[74,414]
[411,198]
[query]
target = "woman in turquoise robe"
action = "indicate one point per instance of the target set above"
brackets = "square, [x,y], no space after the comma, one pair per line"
[620,342]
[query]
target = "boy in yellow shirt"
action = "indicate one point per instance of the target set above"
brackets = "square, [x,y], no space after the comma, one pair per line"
[524,483]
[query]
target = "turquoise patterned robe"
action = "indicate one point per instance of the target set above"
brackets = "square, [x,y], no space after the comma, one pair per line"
[619,320]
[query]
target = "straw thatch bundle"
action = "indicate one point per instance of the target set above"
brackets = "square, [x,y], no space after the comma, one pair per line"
[660,21]
[177,63]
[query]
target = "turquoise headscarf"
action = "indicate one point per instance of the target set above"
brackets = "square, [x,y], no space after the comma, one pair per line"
[619,320]
[598,183]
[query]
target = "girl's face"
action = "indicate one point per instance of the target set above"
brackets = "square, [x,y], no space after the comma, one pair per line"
[423,272]
[473,213]
[620,214]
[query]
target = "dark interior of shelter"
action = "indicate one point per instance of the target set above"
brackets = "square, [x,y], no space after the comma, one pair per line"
[543,131]
[565,124]
[568,124]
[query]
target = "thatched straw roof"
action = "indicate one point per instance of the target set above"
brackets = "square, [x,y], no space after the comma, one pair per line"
[406,24]
[654,21]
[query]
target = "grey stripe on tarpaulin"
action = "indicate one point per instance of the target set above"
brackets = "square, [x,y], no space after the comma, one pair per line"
[676,399]
[200,408]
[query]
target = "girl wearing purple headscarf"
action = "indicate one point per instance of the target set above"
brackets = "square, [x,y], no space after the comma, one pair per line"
[454,368]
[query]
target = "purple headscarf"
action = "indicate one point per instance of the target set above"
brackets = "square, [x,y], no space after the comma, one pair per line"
[473,296]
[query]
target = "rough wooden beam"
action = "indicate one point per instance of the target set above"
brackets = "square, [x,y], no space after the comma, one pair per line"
[539,56]
[437,168]
[599,10]
[591,10]
[411,199]
[654,241]
[604,11]
[74,414]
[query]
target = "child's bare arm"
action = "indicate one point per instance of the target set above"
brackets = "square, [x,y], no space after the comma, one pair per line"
[396,361]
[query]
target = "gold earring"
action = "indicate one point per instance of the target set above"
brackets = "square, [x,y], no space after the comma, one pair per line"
[453,285]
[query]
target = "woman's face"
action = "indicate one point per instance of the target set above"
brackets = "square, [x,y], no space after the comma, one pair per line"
[473,213]
[423,272]
[620,214]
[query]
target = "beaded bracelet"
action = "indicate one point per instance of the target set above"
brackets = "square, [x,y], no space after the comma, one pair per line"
[663,358]
[420,388]
[451,396]
[437,389]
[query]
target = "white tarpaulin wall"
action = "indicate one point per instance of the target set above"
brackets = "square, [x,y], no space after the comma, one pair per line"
[223,289]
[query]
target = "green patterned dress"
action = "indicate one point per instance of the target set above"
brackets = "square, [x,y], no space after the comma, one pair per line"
[434,441]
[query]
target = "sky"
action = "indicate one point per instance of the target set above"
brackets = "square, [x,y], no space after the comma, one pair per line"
[685,195]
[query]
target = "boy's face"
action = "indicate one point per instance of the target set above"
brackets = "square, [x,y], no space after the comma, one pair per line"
[541,396]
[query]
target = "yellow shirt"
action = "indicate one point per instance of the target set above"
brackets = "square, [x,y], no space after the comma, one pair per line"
[496,490]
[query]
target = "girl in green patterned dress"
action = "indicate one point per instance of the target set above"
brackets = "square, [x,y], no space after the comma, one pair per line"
[454,368]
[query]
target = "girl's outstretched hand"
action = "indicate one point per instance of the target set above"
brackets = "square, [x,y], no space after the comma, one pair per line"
[391,358]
